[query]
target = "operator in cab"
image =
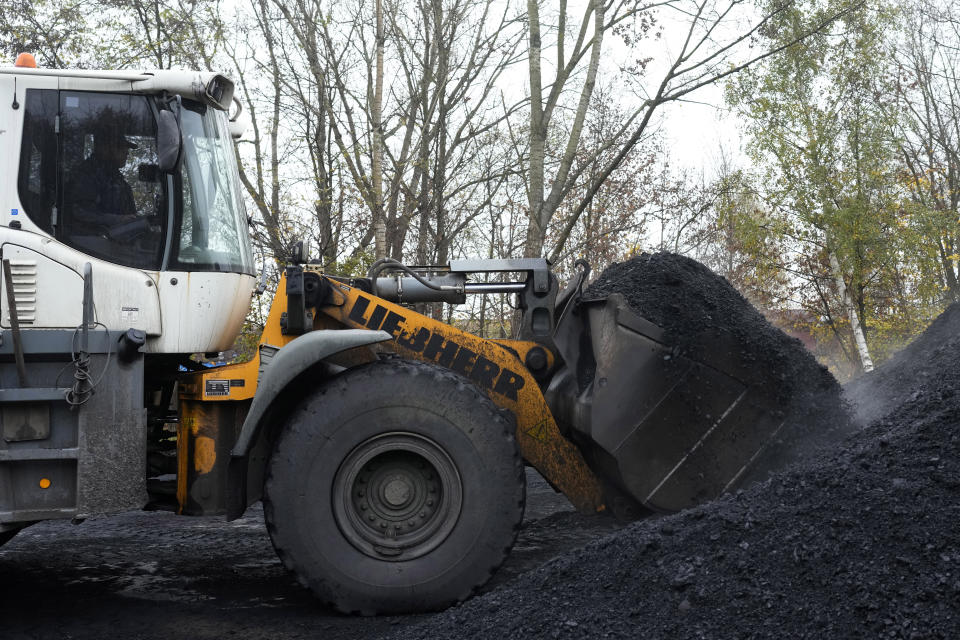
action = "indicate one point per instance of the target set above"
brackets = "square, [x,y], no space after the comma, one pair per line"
[101,198]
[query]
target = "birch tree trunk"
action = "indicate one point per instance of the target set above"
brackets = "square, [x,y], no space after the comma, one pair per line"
[862,351]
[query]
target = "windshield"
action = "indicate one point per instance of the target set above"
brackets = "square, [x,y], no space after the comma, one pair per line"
[211,226]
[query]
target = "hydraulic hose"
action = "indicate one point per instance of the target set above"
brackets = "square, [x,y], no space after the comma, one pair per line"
[383,264]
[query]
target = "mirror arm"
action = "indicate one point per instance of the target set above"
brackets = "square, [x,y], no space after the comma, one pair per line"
[262,286]
[236,115]
[164,119]
[178,113]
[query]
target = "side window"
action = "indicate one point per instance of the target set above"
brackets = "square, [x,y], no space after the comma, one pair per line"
[37,181]
[114,198]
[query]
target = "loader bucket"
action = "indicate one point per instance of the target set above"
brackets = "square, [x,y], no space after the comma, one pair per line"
[671,429]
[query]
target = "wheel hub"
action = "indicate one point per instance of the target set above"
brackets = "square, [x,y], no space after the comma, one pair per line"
[397,493]
[397,496]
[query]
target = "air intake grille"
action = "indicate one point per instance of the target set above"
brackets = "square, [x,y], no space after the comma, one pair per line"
[24,274]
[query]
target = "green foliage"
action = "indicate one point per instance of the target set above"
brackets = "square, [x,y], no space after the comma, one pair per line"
[822,128]
[55,31]
[113,34]
[746,249]
[245,346]
[356,265]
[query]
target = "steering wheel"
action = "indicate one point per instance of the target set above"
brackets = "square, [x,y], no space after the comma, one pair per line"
[129,231]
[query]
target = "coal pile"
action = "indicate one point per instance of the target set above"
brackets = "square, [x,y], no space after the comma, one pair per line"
[861,543]
[699,309]
[686,299]
[908,372]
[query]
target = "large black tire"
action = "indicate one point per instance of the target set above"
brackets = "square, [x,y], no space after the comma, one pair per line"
[396,487]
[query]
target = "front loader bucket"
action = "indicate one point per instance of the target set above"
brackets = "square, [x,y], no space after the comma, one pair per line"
[670,430]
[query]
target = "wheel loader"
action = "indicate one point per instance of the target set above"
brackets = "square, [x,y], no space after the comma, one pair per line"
[388,447]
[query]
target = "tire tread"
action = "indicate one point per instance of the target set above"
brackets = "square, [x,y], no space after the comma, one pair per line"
[372,373]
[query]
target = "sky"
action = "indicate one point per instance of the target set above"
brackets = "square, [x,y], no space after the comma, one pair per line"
[699,133]
[701,129]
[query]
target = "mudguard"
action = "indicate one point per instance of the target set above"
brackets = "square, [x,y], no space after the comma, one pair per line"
[290,362]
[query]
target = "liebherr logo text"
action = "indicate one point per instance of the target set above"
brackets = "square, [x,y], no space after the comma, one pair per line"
[434,347]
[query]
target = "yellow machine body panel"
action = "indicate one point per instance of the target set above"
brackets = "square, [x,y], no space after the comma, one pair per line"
[213,400]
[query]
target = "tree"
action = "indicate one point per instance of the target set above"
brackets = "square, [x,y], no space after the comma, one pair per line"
[407,136]
[714,46]
[55,31]
[618,215]
[742,240]
[260,170]
[928,93]
[821,126]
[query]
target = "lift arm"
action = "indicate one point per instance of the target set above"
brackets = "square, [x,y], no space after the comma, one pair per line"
[492,366]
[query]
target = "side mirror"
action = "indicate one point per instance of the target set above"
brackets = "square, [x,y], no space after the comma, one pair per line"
[299,251]
[169,141]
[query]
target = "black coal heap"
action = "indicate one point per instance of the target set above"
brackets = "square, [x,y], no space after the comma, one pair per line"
[862,542]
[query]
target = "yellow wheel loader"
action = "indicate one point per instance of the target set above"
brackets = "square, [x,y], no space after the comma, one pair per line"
[388,447]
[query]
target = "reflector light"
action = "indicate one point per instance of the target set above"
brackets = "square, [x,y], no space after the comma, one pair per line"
[26,60]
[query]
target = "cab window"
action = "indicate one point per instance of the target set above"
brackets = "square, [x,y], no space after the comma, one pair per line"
[91,179]
[113,200]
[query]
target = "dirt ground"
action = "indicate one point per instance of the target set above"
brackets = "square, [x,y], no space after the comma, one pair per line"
[145,575]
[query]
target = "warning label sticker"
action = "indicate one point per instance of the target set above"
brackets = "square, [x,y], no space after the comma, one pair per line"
[130,315]
[217,388]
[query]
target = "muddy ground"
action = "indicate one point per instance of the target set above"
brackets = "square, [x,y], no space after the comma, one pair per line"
[153,575]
